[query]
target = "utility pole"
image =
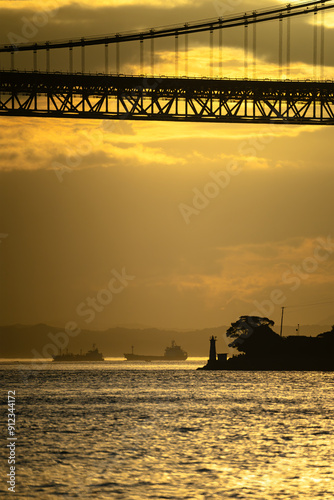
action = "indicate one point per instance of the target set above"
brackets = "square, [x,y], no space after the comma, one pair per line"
[281,331]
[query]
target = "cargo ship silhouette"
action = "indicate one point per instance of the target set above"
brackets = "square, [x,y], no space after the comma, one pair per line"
[172,353]
[92,355]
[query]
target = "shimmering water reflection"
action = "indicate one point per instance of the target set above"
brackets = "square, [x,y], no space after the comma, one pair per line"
[153,432]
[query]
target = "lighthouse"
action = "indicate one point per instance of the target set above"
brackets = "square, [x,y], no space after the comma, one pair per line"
[213,355]
[214,363]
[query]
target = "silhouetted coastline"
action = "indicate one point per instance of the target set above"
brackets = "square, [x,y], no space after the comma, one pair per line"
[262,349]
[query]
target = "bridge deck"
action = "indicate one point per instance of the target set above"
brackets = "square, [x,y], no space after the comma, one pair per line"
[165,98]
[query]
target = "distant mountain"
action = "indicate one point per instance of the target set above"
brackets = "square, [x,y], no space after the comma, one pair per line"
[41,340]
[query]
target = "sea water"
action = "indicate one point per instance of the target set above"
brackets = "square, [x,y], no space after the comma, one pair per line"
[136,431]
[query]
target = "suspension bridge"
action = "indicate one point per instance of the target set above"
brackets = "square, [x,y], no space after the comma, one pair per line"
[109,92]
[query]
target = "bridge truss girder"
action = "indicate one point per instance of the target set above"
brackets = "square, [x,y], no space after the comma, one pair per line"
[166,99]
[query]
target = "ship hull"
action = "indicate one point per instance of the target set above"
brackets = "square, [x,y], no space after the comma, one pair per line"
[75,358]
[172,353]
[92,355]
[143,357]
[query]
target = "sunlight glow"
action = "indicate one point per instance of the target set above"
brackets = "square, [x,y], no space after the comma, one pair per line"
[56,4]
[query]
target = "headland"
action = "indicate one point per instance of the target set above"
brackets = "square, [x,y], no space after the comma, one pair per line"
[260,348]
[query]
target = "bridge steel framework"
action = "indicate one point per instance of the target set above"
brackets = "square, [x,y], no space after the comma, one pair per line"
[118,97]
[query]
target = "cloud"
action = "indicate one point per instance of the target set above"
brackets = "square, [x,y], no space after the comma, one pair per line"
[232,253]
[81,144]
[71,20]
[54,4]
[250,273]
[73,145]
[245,270]
[119,204]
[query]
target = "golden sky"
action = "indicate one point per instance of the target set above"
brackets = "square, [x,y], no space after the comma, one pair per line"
[211,221]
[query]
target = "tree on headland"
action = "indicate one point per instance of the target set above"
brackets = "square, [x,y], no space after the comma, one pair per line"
[242,329]
[260,348]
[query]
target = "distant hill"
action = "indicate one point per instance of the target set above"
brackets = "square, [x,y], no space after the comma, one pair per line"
[23,341]
[41,340]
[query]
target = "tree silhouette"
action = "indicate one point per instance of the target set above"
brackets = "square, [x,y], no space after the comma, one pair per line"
[244,328]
